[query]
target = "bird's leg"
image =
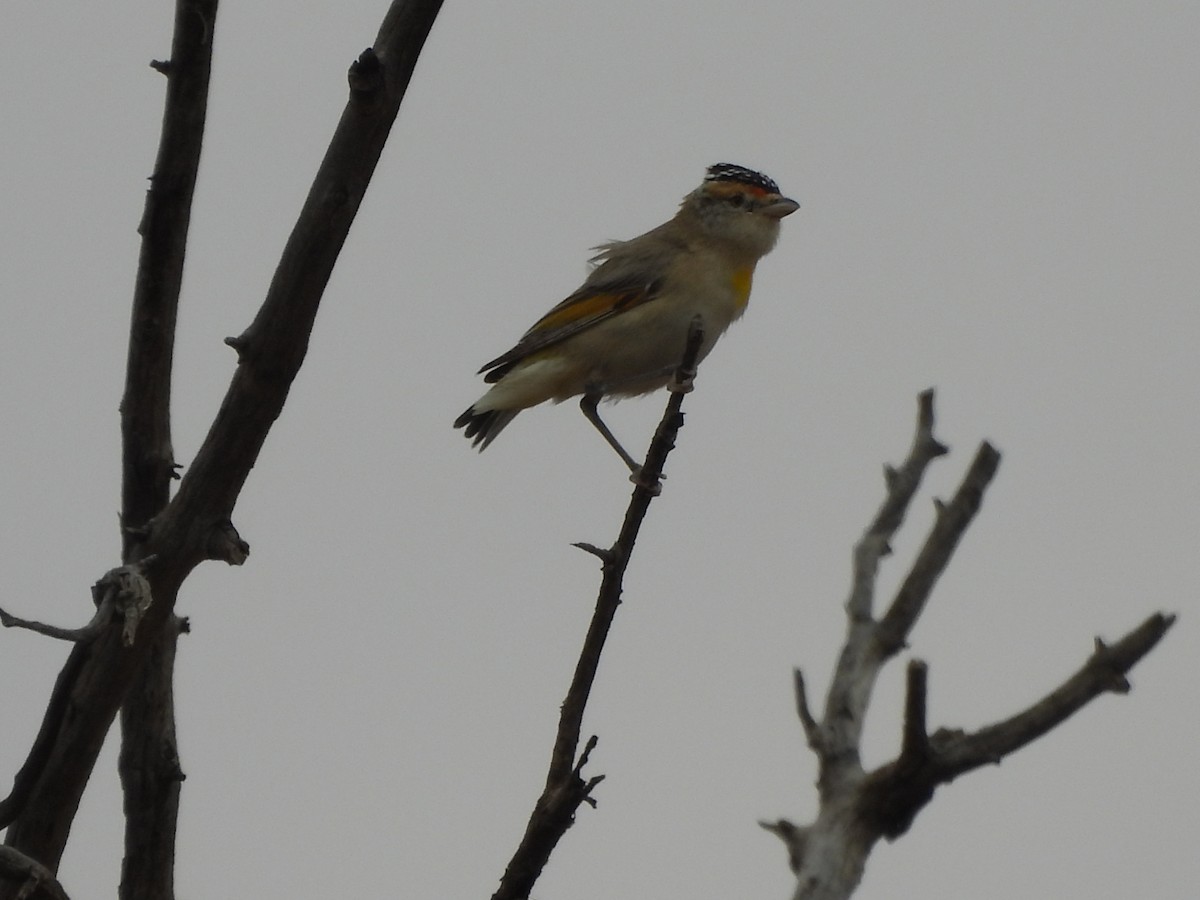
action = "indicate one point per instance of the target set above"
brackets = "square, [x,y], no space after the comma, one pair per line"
[683,378]
[588,405]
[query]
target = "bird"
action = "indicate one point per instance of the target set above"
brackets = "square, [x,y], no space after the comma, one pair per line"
[622,333]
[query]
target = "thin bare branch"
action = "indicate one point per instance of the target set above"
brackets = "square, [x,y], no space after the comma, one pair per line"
[902,483]
[950,525]
[122,591]
[565,787]
[859,661]
[812,731]
[83,634]
[148,463]
[1104,672]
[609,598]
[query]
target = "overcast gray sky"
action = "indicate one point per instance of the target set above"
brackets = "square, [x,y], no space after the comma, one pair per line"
[1000,200]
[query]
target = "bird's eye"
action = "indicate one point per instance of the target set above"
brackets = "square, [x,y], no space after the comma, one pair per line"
[737,201]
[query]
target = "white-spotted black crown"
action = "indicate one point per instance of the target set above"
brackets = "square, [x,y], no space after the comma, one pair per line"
[741,175]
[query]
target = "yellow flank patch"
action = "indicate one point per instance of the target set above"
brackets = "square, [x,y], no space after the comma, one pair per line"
[741,282]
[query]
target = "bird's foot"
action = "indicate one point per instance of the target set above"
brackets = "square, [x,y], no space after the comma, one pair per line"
[682,383]
[639,477]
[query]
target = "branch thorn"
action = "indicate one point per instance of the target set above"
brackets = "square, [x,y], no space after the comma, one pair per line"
[604,555]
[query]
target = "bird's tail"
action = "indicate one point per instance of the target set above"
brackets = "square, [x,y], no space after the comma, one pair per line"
[482,427]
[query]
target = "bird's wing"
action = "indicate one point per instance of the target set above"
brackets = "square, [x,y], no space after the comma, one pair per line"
[608,292]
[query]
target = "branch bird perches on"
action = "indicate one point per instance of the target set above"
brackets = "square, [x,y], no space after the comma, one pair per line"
[566,788]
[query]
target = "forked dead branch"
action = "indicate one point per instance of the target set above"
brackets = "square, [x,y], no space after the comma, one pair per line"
[107,670]
[857,807]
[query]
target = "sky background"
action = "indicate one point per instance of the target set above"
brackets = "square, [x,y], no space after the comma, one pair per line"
[1000,200]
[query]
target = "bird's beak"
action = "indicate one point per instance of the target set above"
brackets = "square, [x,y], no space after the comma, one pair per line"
[779,208]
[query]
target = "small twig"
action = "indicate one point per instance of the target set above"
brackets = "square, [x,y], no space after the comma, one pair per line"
[82,635]
[578,771]
[812,731]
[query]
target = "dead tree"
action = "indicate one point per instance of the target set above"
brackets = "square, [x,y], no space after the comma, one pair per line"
[858,807]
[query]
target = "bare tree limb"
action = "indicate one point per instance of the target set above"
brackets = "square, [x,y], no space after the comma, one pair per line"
[565,787]
[858,808]
[151,775]
[1103,672]
[97,675]
[148,461]
[123,591]
[151,803]
[271,351]
[893,794]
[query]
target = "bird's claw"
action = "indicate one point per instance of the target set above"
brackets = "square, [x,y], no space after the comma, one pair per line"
[638,477]
[682,383]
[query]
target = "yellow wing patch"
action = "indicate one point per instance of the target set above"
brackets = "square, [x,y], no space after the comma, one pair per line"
[587,307]
[577,313]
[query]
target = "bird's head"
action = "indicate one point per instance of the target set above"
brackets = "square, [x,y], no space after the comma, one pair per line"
[739,207]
